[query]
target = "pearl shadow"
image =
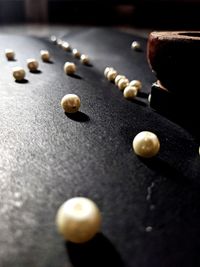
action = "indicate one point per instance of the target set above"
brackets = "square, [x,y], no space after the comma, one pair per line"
[98,252]
[78,116]
[88,65]
[22,81]
[75,76]
[12,59]
[35,71]
[48,62]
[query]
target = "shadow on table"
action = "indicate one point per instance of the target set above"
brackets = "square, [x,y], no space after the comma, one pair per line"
[98,252]
[78,116]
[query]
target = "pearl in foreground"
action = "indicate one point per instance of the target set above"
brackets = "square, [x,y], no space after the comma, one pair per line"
[136,46]
[78,219]
[123,83]
[10,54]
[71,103]
[32,64]
[19,73]
[136,83]
[107,69]
[85,59]
[130,92]
[76,53]
[45,56]
[146,144]
[69,68]
[118,78]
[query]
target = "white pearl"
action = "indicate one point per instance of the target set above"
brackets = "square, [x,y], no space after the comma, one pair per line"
[78,219]
[59,42]
[136,46]
[107,69]
[53,39]
[136,83]
[66,46]
[123,83]
[32,64]
[69,68]
[146,144]
[19,73]
[71,103]
[10,54]
[111,75]
[118,78]
[85,59]
[149,98]
[76,53]
[45,56]
[130,92]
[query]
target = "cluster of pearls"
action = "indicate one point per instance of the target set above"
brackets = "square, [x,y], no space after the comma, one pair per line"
[129,89]
[84,59]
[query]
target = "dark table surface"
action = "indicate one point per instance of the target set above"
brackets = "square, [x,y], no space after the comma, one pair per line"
[150,208]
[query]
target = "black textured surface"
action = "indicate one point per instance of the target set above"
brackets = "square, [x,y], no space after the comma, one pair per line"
[48,157]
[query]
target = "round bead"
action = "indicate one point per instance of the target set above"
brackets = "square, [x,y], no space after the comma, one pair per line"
[136,83]
[53,39]
[136,46]
[76,53]
[59,42]
[123,83]
[45,56]
[130,92]
[118,78]
[10,54]
[107,69]
[66,46]
[19,73]
[111,75]
[146,144]
[32,64]
[71,103]
[85,59]
[69,68]
[78,219]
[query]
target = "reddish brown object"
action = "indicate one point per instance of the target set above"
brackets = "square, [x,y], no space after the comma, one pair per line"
[175,59]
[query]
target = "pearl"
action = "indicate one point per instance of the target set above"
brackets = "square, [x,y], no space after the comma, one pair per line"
[71,103]
[76,53]
[53,39]
[111,75]
[136,46]
[66,46]
[119,77]
[136,83]
[45,56]
[146,144]
[85,59]
[130,92]
[59,42]
[107,69]
[32,64]
[19,73]
[78,219]
[69,68]
[123,83]
[149,98]
[10,54]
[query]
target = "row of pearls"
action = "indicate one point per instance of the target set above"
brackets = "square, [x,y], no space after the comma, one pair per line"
[84,59]
[130,89]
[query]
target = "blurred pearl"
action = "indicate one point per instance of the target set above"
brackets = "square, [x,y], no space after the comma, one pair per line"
[146,144]
[111,75]
[85,59]
[59,42]
[53,39]
[107,69]
[71,103]
[136,83]
[66,46]
[10,54]
[78,219]
[149,98]
[69,68]
[32,64]
[45,56]
[76,53]
[123,83]
[118,78]
[19,73]
[136,46]
[130,92]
